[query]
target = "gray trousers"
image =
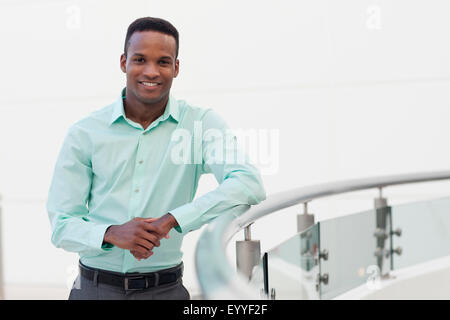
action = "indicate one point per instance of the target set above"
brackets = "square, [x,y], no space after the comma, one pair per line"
[85,289]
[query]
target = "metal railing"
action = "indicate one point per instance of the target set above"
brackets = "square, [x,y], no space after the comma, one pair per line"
[218,278]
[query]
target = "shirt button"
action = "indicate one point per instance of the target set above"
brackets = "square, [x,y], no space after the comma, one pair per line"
[140,161]
[137,190]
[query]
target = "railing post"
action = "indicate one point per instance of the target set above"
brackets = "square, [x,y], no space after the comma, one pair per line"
[383,226]
[248,253]
[305,220]
[384,251]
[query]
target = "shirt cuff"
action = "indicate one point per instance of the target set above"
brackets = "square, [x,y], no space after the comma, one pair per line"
[185,216]
[97,236]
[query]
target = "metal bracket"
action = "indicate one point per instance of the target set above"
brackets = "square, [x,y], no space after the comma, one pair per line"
[272,294]
[382,234]
[248,253]
[323,254]
[321,279]
[304,220]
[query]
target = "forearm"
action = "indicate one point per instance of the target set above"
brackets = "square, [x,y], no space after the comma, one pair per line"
[232,192]
[77,235]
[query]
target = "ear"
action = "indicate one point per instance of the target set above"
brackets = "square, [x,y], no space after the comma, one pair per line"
[177,68]
[123,63]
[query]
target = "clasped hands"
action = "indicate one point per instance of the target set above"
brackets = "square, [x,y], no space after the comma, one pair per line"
[140,235]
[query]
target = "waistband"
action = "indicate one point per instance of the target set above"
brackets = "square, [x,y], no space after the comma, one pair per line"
[132,281]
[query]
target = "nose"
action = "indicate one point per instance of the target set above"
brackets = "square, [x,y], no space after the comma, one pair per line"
[151,70]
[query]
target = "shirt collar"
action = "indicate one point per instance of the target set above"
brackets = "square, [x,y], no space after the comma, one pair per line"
[172,109]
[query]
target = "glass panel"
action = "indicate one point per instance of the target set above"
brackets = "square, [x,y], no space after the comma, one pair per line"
[292,267]
[257,279]
[351,245]
[425,231]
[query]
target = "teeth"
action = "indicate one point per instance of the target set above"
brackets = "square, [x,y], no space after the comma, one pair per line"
[149,84]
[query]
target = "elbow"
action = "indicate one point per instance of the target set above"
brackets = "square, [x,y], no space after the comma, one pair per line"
[250,188]
[257,193]
[260,194]
[57,226]
[56,240]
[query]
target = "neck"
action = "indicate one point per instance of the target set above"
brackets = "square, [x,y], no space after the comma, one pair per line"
[143,113]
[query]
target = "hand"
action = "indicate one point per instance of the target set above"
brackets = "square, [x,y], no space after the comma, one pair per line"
[140,256]
[160,226]
[137,235]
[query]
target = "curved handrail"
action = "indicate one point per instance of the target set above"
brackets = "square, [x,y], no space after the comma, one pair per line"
[218,280]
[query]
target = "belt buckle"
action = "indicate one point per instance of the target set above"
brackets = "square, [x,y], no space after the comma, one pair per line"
[127,283]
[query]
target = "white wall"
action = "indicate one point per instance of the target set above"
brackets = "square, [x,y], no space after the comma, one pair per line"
[356,88]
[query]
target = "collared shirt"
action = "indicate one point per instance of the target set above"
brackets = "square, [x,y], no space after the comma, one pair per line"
[110,170]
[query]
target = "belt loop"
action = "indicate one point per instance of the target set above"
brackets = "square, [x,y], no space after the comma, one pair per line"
[156,279]
[95,278]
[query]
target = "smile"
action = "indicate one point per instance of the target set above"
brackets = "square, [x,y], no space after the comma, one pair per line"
[149,84]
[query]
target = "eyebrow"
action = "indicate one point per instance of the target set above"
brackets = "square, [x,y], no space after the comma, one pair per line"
[142,55]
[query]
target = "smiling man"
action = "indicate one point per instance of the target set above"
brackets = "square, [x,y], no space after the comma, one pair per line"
[119,197]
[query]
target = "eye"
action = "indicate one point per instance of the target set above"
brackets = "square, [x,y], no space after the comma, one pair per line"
[164,62]
[140,59]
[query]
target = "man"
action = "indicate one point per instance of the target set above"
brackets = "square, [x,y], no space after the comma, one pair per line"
[123,187]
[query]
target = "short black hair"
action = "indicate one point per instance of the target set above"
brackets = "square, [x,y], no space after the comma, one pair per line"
[151,24]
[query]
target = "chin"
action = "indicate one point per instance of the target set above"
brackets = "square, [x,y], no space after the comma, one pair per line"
[150,100]
[153,98]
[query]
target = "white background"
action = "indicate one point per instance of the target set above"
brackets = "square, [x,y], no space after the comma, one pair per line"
[355,88]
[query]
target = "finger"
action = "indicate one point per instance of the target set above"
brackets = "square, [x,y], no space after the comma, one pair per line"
[136,255]
[151,237]
[152,228]
[150,253]
[145,243]
[140,250]
[139,256]
[146,219]
[149,220]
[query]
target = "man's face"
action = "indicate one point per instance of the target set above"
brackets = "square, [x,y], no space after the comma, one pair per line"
[150,65]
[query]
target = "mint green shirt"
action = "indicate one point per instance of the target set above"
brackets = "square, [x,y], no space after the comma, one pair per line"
[110,170]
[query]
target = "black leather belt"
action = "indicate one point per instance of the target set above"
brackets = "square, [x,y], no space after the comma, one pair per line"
[133,281]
